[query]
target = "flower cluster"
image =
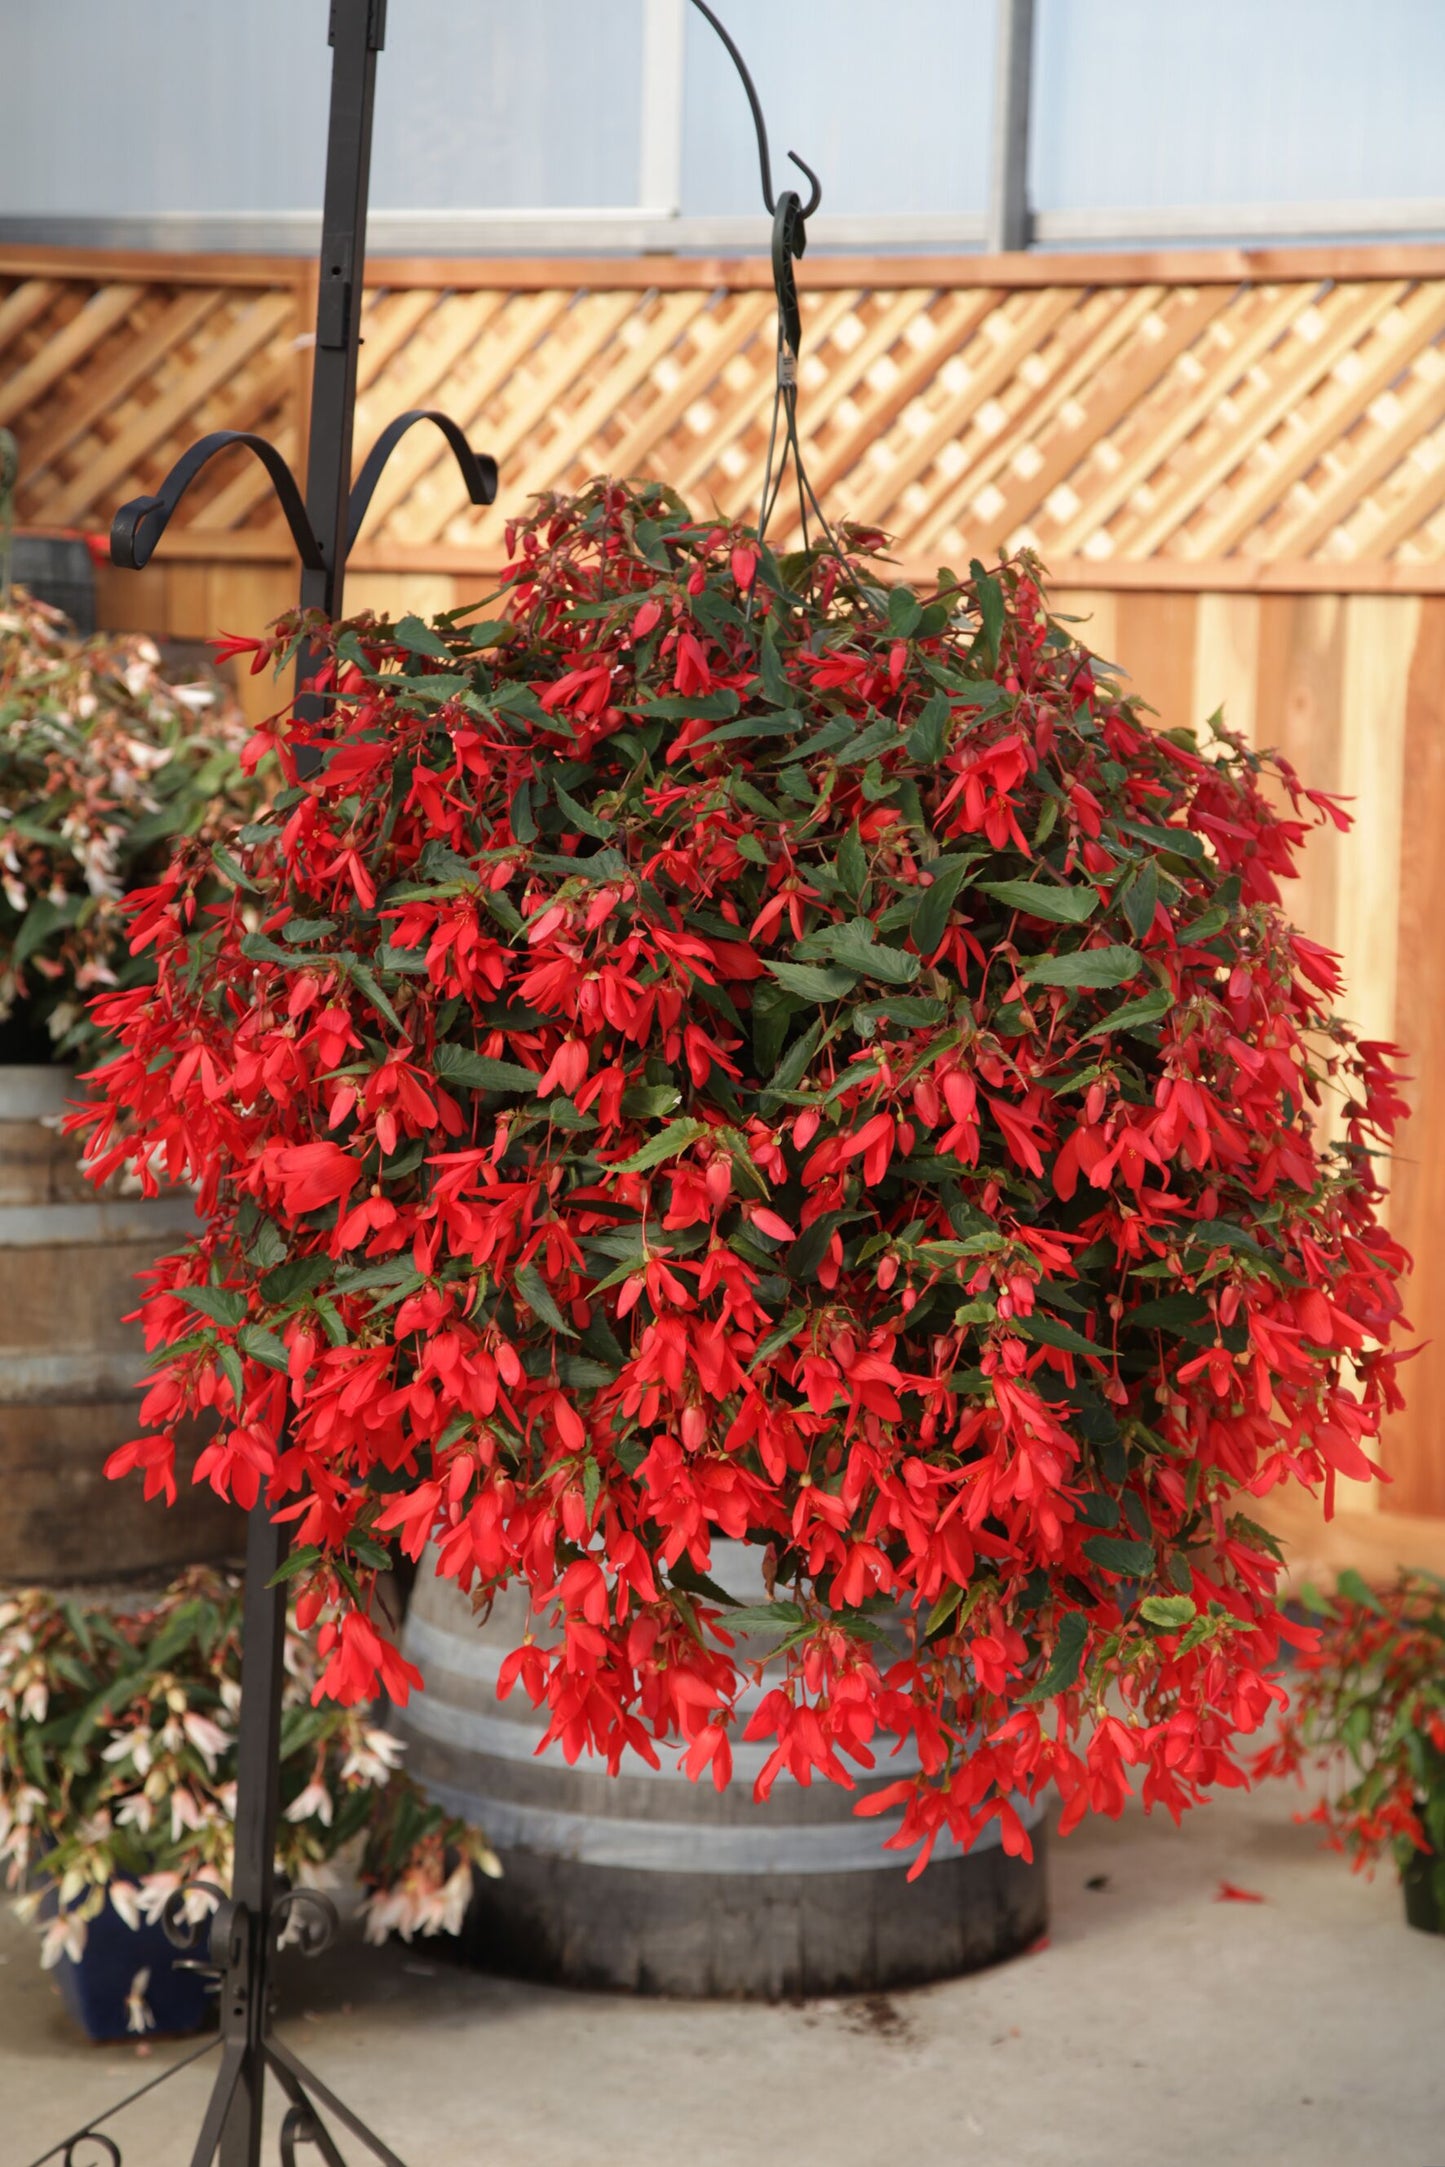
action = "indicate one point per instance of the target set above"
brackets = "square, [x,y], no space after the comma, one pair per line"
[725,1047]
[118,1770]
[1368,1712]
[103,766]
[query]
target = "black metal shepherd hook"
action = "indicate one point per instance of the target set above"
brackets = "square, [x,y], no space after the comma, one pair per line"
[240,1937]
[790,217]
[245,1926]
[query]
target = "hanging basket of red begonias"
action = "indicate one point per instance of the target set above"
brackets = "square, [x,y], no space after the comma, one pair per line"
[727,1047]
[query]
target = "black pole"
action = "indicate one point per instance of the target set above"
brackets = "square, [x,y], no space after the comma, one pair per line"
[358,31]
[1009,223]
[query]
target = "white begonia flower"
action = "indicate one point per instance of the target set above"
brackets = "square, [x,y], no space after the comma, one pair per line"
[35,1700]
[209,1740]
[137,1812]
[419,1906]
[314,1803]
[137,1746]
[388,1912]
[102,872]
[154,1893]
[148,758]
[456,1894]
[199,1903]
[138,2014]
[230,1689]
[374,1758]
[186,1811]
[195,698]
[64,1936]
[156,1889]
[124,1897]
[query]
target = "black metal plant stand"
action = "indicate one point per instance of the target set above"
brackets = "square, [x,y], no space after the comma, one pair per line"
[244,1929]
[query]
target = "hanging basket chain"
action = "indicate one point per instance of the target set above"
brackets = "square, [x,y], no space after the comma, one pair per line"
[790,217]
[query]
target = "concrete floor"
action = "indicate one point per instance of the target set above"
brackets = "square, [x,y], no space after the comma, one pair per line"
[1159,2027]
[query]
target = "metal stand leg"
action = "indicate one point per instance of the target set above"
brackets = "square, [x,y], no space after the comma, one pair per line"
[245,1988]
[244,1930]
[246,1926]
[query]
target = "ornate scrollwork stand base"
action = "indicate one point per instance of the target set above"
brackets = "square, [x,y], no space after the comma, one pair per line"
[241,1933]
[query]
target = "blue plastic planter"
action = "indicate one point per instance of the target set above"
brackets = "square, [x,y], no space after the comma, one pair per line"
[95,1989]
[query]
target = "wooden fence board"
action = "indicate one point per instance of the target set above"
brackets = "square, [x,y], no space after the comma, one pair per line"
[1417,1202]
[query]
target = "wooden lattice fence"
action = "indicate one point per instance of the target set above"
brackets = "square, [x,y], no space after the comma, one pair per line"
[1202,421]
[1233,465]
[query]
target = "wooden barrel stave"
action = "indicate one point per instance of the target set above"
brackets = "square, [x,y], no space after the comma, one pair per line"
[69,1363]
[647,1882]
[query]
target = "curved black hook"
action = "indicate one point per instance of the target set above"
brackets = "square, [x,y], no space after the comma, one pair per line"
[805,210]
[139,525]
[479,468]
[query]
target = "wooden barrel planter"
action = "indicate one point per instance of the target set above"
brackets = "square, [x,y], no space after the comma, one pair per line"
[653,1884]
[69,1365]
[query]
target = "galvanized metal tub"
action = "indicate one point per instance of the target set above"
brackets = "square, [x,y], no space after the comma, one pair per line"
[650,1883]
